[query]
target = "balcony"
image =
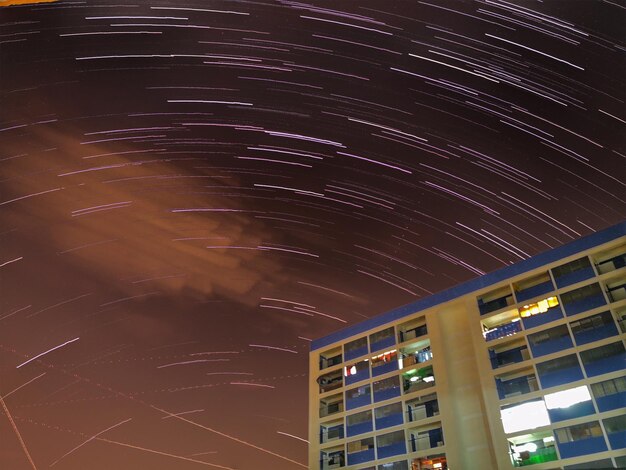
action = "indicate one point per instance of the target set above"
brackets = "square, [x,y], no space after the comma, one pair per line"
[610,394]
[361,451]
[491,305]
[614,261]
[384,363]
[388,416]
[533,287]
[422,408]
[330,358]
[412,329]
[594,328]
[382,339]
[515,384]
[583,299]
[331,405]
[425,439]
[359,423]
[416,353]
[616,291]
[358,397]
[388,445]
[331,431]
[608,358]
[354,349]
[418,379]
[539,313]
[386,389]
[532,449]
[501,325]
[573,272]
[510,353]
[330,381]
[559,371]
[550,341]
[432,462]
[332,458]
[356,372]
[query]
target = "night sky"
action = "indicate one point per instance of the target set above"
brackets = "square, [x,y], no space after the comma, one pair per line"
[191,191]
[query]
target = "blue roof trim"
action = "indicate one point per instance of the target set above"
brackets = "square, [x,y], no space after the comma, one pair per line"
[547,257]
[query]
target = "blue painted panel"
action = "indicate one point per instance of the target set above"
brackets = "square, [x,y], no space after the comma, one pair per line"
[617,440]
[582,447]
[352,403]
[534,291]
[574,277]
[609,364]
[360,375]
[360,457]
[560,377]
[360,428]
[612,402]
[358,352]
[569,249]
[504,330]
[585,304]
[550,346]
[394,449]
[388,421]
[554,313]
[435,436]
[574,411]
[388,367]
[588,336]
[383,343]
[386,394]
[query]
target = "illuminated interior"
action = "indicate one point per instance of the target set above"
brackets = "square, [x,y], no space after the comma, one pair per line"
[529,415]
[567,398]
[539,307]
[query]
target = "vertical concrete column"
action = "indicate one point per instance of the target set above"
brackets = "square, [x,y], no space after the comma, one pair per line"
[465,427]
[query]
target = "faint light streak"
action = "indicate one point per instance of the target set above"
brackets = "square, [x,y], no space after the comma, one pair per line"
[129,298]
[208,353]
[230,12]
[233,438]
[611,115]
[167,454]
[346,24]
[454,67]
[30,195]
[103,207]
[47,352]
[107,33]
[276,307]
[376,162]
[17,433]
[88,245]
[297,252]
[182,413]
[288,301]
[89,440]
[196,361]
[275,161]
[11,261]
[15,311]
[387,282]
[296,190]
[21,386]
[291,435]
[252,384]
[325,288]
[275,348]
[240,103]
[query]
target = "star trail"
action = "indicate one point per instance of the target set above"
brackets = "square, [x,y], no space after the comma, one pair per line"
[191,191]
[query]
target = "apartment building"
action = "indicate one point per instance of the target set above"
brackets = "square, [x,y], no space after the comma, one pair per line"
[525,366]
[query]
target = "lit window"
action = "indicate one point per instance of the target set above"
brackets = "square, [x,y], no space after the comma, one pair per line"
[539,307]
[528,415]
[567,398]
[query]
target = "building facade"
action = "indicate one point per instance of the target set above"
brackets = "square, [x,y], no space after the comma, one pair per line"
[525,366]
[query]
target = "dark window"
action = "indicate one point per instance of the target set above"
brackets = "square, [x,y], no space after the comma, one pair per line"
[571,267]
[579,432]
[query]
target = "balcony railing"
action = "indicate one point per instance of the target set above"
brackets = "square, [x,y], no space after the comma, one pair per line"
[541,455]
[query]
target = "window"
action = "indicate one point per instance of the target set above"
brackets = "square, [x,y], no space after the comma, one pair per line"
[381,335]
[354,369]
[360,446]
[389,410]
[559,371]
[552,334]
[401,465]
[609,351]
[529,415]
[591,323]
[384,358]
[579,432]
[609,387]
[358,392]
[615,424]
[330,381]
[387,384]
[389,439]
[567,398]
[571,267]
[355,348]
[582,293]
[538,307]
[359,418]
